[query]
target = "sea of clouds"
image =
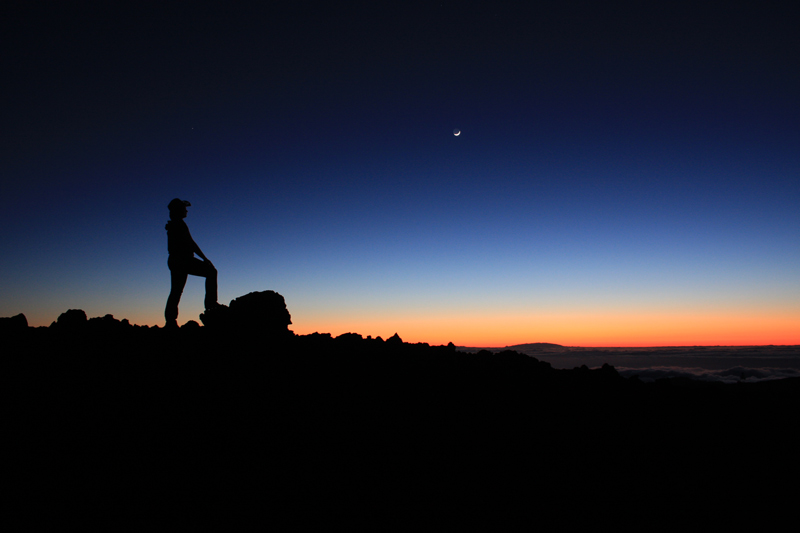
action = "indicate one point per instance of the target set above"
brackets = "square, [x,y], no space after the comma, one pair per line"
[728,375]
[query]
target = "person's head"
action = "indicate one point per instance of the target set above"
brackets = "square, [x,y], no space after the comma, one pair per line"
[177,208]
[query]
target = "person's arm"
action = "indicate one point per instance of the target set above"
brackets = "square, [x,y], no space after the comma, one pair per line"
[196,249]
[199,252]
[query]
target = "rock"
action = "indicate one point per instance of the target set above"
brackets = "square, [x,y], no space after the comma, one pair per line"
[263,313]
[106,325]
[394,340]
[217,318]
[71,320]
[265,306]
[13,324]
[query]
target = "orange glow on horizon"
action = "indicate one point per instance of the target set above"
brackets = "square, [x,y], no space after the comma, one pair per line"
[590,329]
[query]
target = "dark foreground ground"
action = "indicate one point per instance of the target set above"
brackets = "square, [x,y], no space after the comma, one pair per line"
[151,429]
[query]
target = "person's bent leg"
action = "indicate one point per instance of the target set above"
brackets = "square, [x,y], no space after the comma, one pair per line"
[211,288]
[206,270]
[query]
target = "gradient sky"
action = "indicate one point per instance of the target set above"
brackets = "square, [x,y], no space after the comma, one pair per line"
[627,174]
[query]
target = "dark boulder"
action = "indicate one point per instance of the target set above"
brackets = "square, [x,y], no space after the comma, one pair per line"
[263,313]
[71,320]
[266,308]
[217,318]
[13,324]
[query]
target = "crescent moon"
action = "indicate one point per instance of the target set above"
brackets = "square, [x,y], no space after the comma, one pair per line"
[456,132]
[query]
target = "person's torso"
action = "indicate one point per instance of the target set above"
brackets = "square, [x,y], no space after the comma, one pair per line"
[179,240]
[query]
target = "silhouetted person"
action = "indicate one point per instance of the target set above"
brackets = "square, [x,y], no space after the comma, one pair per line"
[182,262]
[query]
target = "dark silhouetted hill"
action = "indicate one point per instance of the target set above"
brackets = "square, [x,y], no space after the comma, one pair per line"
[542,346]
[533,349]
[109,415]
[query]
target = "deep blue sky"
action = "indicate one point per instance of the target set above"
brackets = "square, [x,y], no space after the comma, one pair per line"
[621,165]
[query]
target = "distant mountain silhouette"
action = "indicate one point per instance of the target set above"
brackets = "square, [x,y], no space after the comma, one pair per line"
[534,347]
[539,346]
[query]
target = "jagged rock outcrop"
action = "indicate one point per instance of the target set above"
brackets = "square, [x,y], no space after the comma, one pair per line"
[71,320]
[107,324]
[394,340]
[13,324]
[262,313]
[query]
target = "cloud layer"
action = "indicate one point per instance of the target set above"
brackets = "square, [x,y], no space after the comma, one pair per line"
[729,375]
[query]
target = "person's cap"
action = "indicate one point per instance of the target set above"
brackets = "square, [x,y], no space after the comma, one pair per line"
[177,203]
